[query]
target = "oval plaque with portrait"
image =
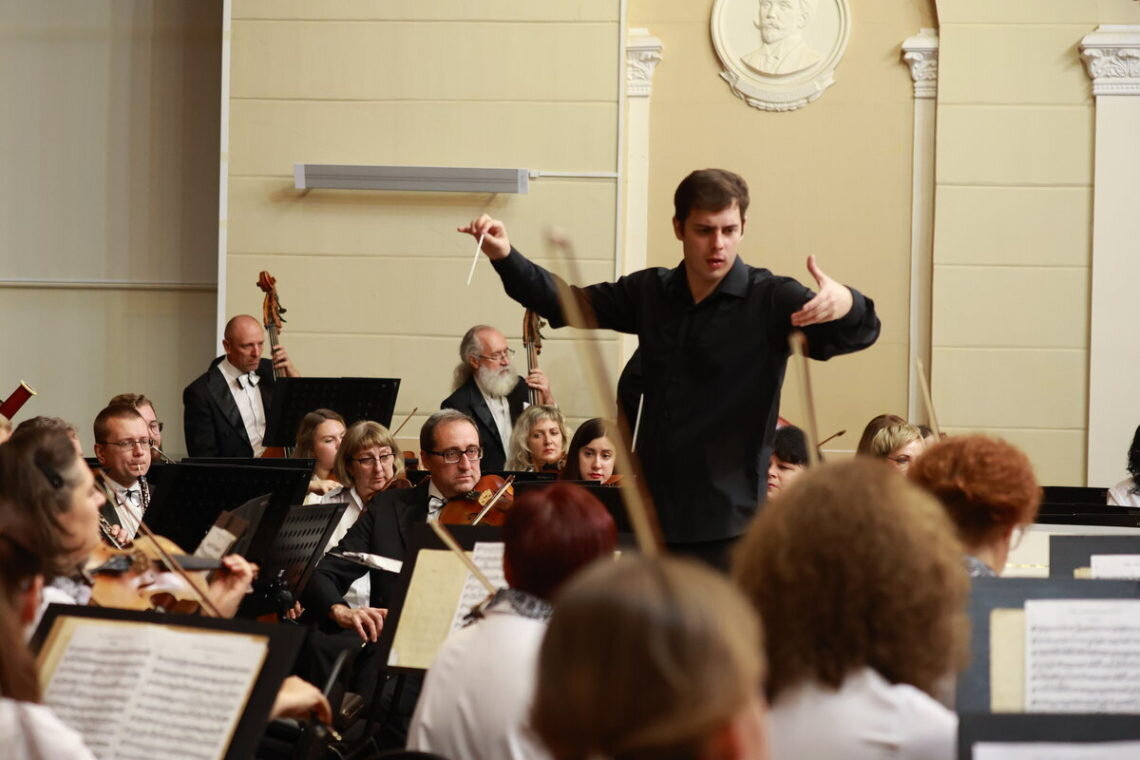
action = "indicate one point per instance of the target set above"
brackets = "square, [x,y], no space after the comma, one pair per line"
[779,55]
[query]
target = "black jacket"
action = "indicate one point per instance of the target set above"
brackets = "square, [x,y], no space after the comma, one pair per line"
[210,416]
[469,400]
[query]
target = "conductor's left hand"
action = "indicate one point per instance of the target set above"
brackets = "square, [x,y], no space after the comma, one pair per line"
[832,302]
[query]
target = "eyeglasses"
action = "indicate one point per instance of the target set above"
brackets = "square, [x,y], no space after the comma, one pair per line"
[382,460]
[142,443]
[451,456]
[498,356]
[155,427]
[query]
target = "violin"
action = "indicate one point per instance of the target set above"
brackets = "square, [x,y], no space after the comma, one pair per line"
[486,504]
[271,311]
[532,343]
[140,577]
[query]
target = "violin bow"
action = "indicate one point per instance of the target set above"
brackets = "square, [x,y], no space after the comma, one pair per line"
[400,427]
[174,565]
[797,343]
[494,499]
[450,542]
[638,503]
[832,437]
[928,399]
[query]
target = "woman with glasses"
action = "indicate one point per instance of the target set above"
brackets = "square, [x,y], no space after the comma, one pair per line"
[988,488]
[538,441]
[367,460]
[901,445]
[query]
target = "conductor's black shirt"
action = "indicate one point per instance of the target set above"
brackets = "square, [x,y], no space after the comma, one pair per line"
[711,374]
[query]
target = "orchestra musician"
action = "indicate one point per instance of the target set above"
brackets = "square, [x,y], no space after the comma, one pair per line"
[487,389]
[548,536]
[789,458]
[54,423]
[712,328]
[366,462]
[122,446]
[988,488]
[224,408]
[592,455]
[859,582]
[651,658]
[901,445]
[318,437]
[876,424]
[538,441]
[5,428]
[145,407]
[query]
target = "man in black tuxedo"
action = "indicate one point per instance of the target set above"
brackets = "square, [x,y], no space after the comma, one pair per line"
[224,408]
[450,451]
[488,390]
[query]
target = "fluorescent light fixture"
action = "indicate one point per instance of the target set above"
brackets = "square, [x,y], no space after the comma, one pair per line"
[420,179]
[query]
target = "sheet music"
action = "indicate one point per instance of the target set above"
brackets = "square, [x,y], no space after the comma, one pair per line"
[1056,751]
[1119,566]
[1082,655]
[143,691]
[488,557]
[1007,660]
[428,608]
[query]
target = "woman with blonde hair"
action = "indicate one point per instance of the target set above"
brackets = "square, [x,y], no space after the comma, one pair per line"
[859,580]
[651,658]
[318,437]
[900,445]
[538,440]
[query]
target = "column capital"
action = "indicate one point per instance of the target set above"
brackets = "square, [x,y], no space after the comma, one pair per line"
[1111,56]
[642,54]
[920,53]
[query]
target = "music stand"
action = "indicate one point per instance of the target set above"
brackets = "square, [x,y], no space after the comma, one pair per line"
[193,495]
[286,462]
[1075,495]
[1067,553]
[354,398]
[609,496]
[287,550]
[989,594]
[546,478]
[1075,728]
[283,644]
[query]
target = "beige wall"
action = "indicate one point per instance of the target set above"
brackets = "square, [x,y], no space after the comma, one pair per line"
[833,179]
[108,218]
[374,281]
[1013,224]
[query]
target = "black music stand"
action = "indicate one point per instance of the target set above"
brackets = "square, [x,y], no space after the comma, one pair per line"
[1067,553]
[287,551]
[284,642]
[193,495]
[1075,495]
[521,476]
[1069,728]
[989,594]
[286,462]
[609,496]
[354,398]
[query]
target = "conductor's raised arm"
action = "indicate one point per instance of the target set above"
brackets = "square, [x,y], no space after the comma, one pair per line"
[493,234]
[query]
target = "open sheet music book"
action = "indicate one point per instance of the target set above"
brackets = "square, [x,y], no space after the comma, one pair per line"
[145,690]
[441,594]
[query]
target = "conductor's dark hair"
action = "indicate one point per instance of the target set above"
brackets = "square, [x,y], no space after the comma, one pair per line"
[790,445]
[1134,461]
[709,190]
[552,533]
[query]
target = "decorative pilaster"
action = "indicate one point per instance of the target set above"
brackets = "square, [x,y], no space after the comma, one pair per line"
[1111,56]
[920,53]
[642,54]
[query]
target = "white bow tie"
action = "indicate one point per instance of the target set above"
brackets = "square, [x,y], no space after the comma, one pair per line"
[249,381]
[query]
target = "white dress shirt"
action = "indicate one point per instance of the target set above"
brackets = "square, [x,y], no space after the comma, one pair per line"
[866,719]
[359,594]
[127,501]
[501,413]
[33,732]
[249,404]
[477,695]
[1120,495]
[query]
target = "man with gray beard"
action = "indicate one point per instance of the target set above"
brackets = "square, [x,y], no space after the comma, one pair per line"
[488,390]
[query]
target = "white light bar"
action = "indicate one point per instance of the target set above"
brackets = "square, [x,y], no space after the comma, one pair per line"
[422,179]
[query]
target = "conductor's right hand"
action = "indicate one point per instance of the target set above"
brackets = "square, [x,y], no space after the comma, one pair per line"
[495,242]
[367,621]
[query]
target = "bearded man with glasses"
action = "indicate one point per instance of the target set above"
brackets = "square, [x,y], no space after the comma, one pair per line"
[122,446]
[488,390]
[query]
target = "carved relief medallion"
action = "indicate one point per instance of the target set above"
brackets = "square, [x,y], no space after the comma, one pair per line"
[779,55]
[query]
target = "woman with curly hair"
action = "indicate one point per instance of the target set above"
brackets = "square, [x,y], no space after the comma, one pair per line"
[538,441]
[988,488]
[860,586]
[1126,493]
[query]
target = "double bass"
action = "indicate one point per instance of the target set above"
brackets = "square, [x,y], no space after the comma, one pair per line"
[532,344]
[271,311]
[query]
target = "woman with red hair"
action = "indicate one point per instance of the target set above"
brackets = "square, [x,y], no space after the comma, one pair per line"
[988,488]
[476,695]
